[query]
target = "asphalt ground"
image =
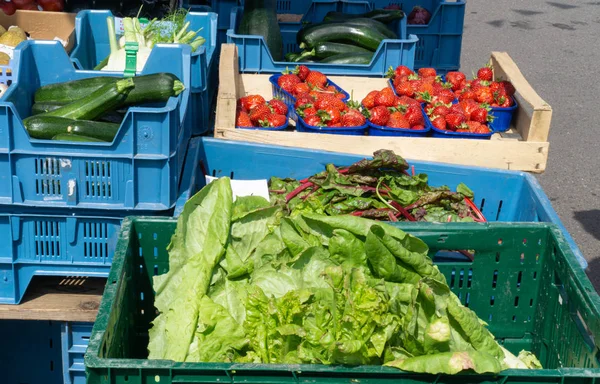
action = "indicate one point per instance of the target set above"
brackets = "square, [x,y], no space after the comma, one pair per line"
[556,46]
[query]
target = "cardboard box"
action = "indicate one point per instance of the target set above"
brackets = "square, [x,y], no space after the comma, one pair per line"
[44,25]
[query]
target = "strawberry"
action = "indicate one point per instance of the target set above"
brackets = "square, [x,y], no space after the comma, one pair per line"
[326,100]
[386,98]
[314,121]
[408,101]
[302,71]
[241,104]
[243,120]
[457,108]
[439,123]
[251,101]
[300,89]
[353,118]
[454,120]
[485,73]
[330,124]
[331,89]
[259,113]
[404,89]
[402,71]
[427,72]
[274,120]
[440,110]
[508,87]
[472,126]
[418,127]
[505,102]
[287,81]
[330,114]
[379,115]
[445,96]
[369,100]
[479,115]
[484,95]
[414,116]
[309,111]
[397,120]
[457,79]
[482,129]
[317,79]
[467,94]
[303,100]
[469,106]
[278,106]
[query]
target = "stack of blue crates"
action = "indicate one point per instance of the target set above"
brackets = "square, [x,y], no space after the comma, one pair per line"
[62,203]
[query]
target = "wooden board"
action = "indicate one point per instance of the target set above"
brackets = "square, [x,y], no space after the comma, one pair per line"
[524,147]
[58,299]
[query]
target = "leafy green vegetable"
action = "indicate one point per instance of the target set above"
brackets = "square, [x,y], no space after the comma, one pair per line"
[377,188]
[247,285]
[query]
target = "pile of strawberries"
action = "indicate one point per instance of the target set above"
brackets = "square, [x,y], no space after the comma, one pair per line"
[388,110]
[325,109]
[425,86]
[482,88]
[254,111]
[302,81]
[466,116]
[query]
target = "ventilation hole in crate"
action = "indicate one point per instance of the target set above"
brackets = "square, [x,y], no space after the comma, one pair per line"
[516,301]
[500,241]
[490,317]
[51,365]
[47,238]
[522,258]
[531,302]
[95,239]
[155,252]
[155,270]
[420,51]
[47,176]
[524,241]
[452,277]
[519,278]
[482,205]
[467,298]
[140,252]
[142,311]
[283,6]
[231,175]
[461,279]
[499,210]
[139,235]
[154,236]
[534,275]
[214,173]
[470,278]
[97,179]
[141,269]
[442,238]
[142,296]
[492,301]
[85,337]
[495,279]
[51,343]
[157,379]
[528,318]
[537,258]
[539,241]
[497,257]
[460,296]
[514,318]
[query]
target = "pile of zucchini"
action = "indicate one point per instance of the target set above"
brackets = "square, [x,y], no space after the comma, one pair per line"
[344,38]
[92,109]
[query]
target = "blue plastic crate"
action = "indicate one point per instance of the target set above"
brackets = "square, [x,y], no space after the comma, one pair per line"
[31,352]
[68,243]
[501,195]
[139,170]
[440,41]
[254,55]
[93,46]
[75,338]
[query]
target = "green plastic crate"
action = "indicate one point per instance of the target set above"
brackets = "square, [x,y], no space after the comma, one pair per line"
[524,282]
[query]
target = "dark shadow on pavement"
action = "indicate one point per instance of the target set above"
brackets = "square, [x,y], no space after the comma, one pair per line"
[590,220]
[593,273]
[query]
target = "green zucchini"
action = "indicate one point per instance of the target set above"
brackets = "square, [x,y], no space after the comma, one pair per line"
[109,117]
[76,138]
[47,127]
[349,58]
[110,97]
[327,49]
[378,26]
[260,18]
[361,36]
[153,88]
[304,56]
[71,90]
[38,108]
[385,16]
[290,56]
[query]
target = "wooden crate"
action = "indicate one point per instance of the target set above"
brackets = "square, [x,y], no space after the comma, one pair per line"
[524,147]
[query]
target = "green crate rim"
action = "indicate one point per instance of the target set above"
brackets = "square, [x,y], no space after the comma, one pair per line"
[113,286]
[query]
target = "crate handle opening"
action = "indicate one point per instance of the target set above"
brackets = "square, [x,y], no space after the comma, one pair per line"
[450,256]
